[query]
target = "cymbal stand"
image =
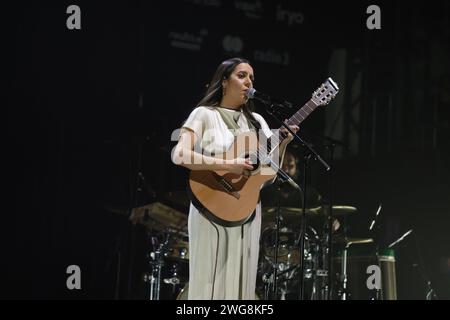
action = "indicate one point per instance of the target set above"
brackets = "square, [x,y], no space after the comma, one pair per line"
[343,278]
[157,262]
[344,273]
[303,230]
[319,270]
[329,246]
[267,279]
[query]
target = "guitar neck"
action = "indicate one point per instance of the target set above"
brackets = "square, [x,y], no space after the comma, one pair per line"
[299,116]
[302,114]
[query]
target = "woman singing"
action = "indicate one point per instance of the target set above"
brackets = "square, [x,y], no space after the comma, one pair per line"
[223,260]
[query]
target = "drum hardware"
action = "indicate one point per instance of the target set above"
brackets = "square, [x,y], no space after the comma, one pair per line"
[267,279]
[174,280]
[156,264]
[286,262]
[319,274]
[287,253]
[178,249]
[168,262]
[171,249]
[345,242]
[166,227]
[331,211]
[283,276]
[278,183]
[348,241]
[344,273]
[281,178]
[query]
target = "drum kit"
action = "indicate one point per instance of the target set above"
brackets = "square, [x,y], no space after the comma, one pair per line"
[167,273]
[285,265]
[168,260]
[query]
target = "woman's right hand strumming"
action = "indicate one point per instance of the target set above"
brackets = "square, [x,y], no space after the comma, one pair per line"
[184,155]
[240,166]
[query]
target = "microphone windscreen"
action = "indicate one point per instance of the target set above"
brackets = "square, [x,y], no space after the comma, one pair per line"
[250,93]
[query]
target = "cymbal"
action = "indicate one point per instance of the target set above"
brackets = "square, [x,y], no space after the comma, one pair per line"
[290,211]
[349,241]
[338,210]
[290,217]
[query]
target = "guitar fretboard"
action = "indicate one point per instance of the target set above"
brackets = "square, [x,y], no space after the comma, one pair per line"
[302,114]
[296,119]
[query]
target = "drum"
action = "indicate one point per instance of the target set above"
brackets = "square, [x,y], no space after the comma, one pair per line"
[288,250]
[288,262]
[173,278]
[183,295]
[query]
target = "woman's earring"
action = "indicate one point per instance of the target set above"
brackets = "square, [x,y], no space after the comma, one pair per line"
[224,91]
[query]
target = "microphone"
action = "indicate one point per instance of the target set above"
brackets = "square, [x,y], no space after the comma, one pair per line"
[266,99]
[286,178]
[293,184]
[253,94]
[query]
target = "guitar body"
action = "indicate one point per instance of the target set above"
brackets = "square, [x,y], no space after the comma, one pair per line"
[226,198]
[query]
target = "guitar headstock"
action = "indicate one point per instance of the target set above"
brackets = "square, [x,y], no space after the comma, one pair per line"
[325,93]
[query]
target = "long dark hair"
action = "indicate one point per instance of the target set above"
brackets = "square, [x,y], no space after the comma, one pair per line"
[213,94]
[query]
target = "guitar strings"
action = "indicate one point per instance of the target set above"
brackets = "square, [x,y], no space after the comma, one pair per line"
[284,135]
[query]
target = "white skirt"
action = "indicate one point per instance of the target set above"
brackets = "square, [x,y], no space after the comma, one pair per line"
[223,261]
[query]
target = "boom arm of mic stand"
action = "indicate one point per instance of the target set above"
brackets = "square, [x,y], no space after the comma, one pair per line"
[309,148]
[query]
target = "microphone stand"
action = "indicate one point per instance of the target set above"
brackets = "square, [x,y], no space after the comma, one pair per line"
[271,109]
[303,232]
[277,228]
[329,144]
[329,249]
[282,177]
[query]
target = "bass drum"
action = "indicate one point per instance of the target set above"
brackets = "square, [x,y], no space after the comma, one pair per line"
[183,295]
